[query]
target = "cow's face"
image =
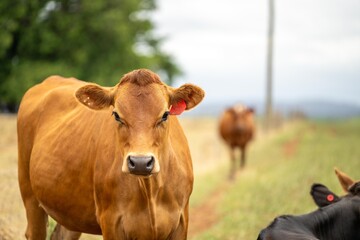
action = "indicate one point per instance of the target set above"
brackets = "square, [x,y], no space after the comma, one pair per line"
[242,117]
[142,106]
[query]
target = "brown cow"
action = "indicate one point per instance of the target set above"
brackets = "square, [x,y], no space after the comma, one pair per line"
[237,129]
[111,161]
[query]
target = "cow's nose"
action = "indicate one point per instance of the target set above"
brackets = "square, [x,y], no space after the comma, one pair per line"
[141,165]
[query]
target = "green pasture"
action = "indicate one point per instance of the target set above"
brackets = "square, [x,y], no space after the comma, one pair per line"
[278,177]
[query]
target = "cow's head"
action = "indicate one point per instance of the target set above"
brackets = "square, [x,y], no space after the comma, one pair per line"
[242,116]
[141,105]
[322,196]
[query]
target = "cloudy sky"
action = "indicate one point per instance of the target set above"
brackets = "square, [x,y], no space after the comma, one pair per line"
[221,46]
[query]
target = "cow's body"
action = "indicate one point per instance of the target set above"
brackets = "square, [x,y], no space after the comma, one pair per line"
[237,127]
[72,163]
[336,219]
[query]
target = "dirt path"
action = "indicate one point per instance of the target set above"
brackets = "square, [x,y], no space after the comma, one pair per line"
[205,215]
[290,147]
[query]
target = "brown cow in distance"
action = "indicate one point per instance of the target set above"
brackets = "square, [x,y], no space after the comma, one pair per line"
[237,129]
[106,160]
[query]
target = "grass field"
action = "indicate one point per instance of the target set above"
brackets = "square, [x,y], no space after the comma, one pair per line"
[281,167]
[279,175]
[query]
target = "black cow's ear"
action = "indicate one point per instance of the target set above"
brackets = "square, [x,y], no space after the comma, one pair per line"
[355,188]
[322,196]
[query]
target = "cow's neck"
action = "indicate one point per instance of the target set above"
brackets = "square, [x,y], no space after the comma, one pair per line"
[322,222]
[150,188]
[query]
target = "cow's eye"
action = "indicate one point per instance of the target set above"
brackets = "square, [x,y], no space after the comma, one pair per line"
[164,117]
[117,117]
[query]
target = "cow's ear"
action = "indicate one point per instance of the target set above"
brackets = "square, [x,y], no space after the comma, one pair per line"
[322,196]
[355,188]
[95,97]
[345,181]
[184,98]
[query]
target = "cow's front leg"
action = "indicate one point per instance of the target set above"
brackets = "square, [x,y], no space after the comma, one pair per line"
[242,156]
[233,163]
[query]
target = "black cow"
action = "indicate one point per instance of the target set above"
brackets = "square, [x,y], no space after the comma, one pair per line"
[338,218]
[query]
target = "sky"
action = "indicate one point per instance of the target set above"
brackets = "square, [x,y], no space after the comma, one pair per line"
[221,47]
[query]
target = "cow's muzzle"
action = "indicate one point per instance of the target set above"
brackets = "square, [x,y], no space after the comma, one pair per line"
[140,165]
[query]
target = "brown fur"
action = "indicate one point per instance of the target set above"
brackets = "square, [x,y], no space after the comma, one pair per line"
[237,127]
[140,77]
[72,159]
[188,94]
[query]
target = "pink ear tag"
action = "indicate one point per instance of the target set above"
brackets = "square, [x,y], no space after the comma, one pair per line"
[178,108]
[330,197]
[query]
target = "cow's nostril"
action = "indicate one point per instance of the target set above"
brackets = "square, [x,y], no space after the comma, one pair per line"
[150,164]
[131,164]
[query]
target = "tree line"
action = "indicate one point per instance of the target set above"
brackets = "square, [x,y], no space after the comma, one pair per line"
[93,40]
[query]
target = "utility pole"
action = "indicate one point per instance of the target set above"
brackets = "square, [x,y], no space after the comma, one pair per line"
[269,69]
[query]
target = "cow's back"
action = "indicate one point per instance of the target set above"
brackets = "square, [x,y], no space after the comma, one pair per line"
[53,151]
[41,100]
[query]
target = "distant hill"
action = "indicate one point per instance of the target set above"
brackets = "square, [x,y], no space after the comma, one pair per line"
[312,109]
